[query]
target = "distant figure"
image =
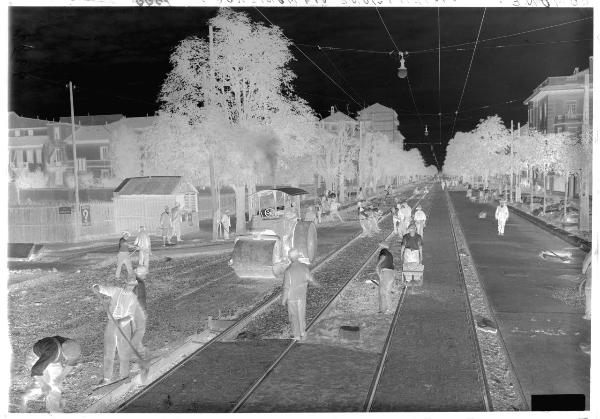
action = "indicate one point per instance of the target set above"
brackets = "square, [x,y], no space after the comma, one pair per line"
[123,257]
[295,282]
[318,210]
[406,216]
[501,216]
[360,196]
[176,223]
[165,225]
[226,224]
[334,210]
[373,216]
[420,220]
[385,271]
[396,220]
[481,196]
[142,241]
[121,312]
[443,185]
[469,191]
[310,215]
[57,357]
[362,219]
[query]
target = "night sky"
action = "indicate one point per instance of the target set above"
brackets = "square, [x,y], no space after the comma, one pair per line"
[118,58]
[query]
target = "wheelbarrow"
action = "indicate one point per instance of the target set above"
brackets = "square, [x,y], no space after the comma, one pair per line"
[412,274]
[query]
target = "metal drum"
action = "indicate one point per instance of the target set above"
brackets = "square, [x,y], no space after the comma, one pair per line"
[305,239]
[254,257]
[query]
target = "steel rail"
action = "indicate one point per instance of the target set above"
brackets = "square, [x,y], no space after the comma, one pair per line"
[325,307]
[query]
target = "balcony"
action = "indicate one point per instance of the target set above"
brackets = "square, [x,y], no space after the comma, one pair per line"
[568,118]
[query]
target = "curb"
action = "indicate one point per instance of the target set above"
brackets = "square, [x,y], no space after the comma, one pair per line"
[558,232]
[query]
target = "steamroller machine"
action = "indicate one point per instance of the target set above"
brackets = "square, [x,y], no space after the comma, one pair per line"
[274,228]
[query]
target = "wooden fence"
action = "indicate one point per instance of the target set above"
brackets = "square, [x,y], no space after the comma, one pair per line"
[57,224]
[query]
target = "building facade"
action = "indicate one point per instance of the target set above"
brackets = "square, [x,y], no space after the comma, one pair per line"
[28,142]
[381,119]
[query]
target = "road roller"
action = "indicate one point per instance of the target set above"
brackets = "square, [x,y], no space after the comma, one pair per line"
[274,228]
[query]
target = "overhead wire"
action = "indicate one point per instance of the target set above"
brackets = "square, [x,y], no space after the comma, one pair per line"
[309,59]
[340,73]
[439,84]
[468,72]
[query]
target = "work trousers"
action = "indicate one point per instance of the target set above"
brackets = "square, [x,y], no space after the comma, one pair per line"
[50,385]
[501,224]
[123,258]
[363,224]
[114,341]
[176,231]
[335,214]
[297,315]
[386,281]
[139,323]
[144,258]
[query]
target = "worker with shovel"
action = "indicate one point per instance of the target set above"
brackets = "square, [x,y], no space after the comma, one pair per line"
[121,311]
[385,271]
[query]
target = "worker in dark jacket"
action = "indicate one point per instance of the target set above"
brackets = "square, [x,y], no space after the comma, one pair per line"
[57,357]
[295,282]
[123,257]
[385,271]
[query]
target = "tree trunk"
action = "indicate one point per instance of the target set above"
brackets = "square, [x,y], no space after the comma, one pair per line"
[251,209]
[214,198]
[584,202]
[510,196]
[531,189]
[544,177]
[240,209]
[342,189]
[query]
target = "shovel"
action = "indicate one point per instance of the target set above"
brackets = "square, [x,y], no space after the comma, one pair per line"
[144,364]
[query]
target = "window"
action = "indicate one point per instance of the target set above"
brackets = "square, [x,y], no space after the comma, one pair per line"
[104,173]
[17,133]
[81,165]
[190,202]
[571,107]
[30,132]
[38,156]
[559,129]
[29,157]
[104,152]
[56,133]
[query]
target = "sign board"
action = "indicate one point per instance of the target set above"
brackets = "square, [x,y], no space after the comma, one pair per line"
[86,218]
[64,210]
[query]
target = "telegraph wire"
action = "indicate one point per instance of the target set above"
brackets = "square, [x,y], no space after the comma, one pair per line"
[439,81]
[309,59]
[468,71]
[340,73]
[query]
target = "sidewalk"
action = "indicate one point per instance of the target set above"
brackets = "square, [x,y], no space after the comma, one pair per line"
[540,327]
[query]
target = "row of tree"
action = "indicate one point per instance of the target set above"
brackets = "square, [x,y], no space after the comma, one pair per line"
[229,116]
[491,149]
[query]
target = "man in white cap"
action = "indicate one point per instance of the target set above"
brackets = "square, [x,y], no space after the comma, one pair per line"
[57,357]
[142,241]
[165,226]
[123,257]
[501,216]
[295,282]
[420,220]
[121,310]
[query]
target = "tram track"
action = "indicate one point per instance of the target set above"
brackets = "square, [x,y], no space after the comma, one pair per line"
[259,309]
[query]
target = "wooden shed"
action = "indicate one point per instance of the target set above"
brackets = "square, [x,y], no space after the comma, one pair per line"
[140,201]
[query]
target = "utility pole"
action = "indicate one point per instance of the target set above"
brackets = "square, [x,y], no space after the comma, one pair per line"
[75,167]
[512,154]
[214,193]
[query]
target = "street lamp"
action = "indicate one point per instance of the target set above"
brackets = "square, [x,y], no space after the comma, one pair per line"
[426,131]
[402,72]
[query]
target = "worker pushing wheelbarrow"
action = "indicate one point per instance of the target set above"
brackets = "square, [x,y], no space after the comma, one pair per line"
[412,256]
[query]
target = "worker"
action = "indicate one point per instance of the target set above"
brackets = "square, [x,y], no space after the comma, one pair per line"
[334,206]
[142,241]
[318,210]
[121,311]
[385,271]
[420,220]
[123,257]
[501,216]
[295,282]
[225,224]
[141,314]
[396,220]
[586,269]
[57,357]
[176,223]
[360,196]
[412,246]
[406,218]
[165,226]
[362,219]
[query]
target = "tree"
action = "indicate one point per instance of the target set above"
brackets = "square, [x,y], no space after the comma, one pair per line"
[125,152]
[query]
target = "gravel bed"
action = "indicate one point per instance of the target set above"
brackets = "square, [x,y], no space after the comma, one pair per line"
[500,377]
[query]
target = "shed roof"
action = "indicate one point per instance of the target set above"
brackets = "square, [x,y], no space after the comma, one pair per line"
[154,185]
[93,119]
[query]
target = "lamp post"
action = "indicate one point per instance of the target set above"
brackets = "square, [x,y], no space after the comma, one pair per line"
[402,72]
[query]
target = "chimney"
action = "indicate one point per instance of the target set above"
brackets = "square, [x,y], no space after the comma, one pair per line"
[332,110]
[591,66]
[576,70]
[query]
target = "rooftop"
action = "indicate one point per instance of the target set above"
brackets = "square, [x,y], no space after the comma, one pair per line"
[154,185]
